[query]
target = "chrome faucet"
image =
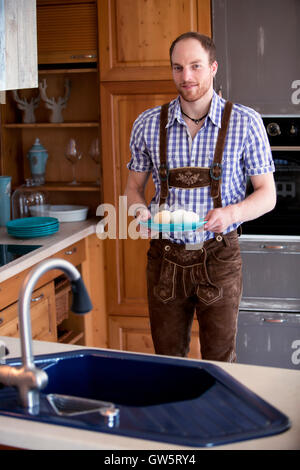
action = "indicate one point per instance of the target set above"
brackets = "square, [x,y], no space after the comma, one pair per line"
[29,379]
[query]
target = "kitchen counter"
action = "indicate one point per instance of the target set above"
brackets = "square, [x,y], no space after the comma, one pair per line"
[279,387]
[69,232]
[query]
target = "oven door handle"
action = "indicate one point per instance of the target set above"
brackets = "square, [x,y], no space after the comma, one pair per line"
[274,320]
[274,247]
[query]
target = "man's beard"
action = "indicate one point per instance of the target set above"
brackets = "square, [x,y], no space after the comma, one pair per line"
[196,92]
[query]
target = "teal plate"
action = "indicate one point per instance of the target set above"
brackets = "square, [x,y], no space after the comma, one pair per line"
[31,222]
[184,227]
[33,229]
[32,234]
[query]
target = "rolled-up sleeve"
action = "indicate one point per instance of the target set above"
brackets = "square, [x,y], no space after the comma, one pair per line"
[140,158]
[258,156]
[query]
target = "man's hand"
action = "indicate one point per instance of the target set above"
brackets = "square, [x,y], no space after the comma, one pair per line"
[143,214]
[219,219]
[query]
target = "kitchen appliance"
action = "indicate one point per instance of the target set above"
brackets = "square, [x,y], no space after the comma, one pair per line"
[9,252]
[284,137]
[269,319]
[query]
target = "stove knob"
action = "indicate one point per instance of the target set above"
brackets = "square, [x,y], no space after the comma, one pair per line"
[273,129]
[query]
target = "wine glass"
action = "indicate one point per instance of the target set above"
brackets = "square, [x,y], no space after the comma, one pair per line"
[73,155]
[94,153]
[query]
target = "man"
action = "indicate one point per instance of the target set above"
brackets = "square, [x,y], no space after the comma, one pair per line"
[211,149]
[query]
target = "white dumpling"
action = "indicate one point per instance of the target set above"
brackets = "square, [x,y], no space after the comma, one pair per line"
[177,216]
[163,217]
[190,217]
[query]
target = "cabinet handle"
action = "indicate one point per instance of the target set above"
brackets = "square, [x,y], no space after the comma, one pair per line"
[1,320]
[70,252]
[273,247]
[37,299]
[84,56]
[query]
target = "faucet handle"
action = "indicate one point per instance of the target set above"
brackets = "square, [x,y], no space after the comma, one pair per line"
[81,300]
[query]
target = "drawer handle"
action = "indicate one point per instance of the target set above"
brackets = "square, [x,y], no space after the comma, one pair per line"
[273,247]
[70,252]
[37,299]
[84,56]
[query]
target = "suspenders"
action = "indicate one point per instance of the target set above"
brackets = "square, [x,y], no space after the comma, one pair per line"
[193,177]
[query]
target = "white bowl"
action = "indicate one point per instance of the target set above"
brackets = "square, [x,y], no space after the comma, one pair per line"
[64,213]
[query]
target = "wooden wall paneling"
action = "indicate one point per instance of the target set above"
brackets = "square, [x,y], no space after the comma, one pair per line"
[134,37]
[125,258]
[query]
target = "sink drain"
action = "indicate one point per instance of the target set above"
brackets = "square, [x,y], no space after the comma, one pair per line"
[66,405]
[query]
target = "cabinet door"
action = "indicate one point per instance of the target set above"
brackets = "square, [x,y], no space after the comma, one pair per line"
[135,36]
[257,44]
[67,31]
[125,257]
[133,334]
[43,316]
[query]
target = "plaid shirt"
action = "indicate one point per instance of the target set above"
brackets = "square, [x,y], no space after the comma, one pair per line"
[247,152]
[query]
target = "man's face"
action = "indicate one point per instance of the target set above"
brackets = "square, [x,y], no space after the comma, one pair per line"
[192,72]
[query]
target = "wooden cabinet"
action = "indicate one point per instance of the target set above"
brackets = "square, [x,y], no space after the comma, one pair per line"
[132,333]
[43,316]
[67,50]
[135,36]
[135,74]
[81,122]
[67,31]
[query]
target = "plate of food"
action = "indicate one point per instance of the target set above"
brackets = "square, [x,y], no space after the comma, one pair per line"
[177,221]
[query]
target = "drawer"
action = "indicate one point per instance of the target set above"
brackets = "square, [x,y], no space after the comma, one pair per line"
[74,253]
[9,289]
[43,316]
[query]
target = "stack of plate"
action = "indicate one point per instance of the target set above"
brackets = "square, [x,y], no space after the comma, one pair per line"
[31,227]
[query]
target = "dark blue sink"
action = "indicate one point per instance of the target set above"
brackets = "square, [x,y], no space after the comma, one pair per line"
[184,402]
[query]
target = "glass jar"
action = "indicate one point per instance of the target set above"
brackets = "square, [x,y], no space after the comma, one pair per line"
[26,196]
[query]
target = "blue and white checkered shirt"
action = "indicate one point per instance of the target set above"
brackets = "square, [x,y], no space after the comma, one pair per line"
[247,152]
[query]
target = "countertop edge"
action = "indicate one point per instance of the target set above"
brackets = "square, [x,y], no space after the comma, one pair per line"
[267,382]
[69,233]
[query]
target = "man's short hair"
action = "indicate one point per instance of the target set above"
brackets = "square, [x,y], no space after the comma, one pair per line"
[206,42]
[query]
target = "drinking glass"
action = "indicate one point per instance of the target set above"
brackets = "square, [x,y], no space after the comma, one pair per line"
[94,153]
[73,155]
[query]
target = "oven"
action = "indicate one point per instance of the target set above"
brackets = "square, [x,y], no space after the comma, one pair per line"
[269,318]
[284,137]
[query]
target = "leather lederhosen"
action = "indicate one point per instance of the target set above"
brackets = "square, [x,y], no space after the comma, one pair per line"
[193,177]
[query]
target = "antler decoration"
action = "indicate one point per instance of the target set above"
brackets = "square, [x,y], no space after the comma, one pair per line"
[27,106]
[55,106]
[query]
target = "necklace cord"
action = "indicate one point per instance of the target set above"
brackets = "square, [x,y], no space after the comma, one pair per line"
[196,121]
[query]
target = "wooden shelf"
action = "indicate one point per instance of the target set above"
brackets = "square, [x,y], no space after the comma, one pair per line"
[66,186]
[49,125]
[70,337]
[58,71]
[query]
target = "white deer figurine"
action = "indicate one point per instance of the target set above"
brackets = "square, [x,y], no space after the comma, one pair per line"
[55,106]
[27,106]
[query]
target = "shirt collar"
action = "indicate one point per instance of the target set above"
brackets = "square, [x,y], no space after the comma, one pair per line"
[215,111]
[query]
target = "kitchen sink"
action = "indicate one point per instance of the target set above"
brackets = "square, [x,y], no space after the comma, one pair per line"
[165,399]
